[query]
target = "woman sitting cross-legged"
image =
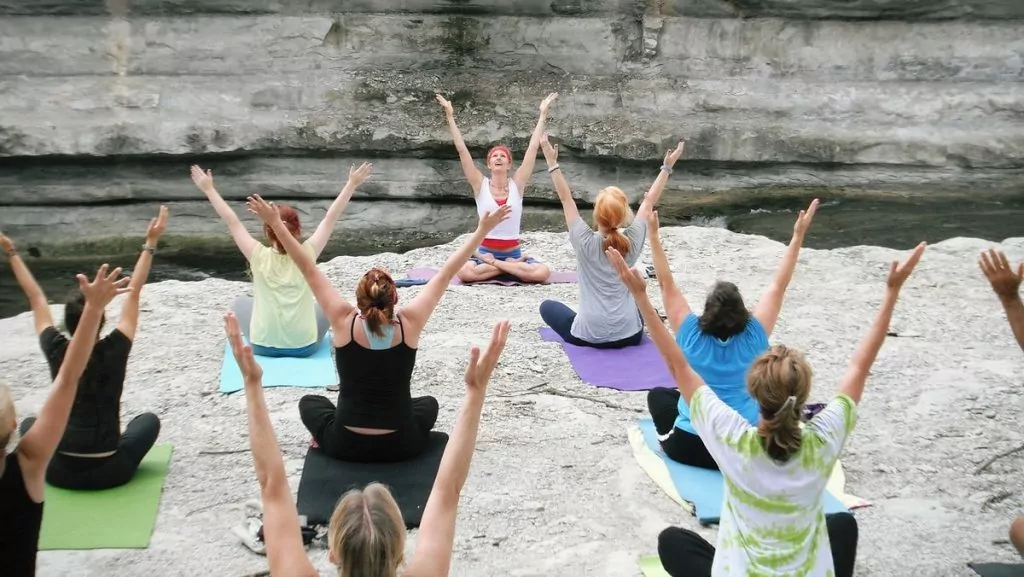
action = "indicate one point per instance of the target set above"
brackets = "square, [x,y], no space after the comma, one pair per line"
[608,318]
[720,344]
[773,518]
[376,418]
[366,537]
[94,453]
[24,467]
[281,318]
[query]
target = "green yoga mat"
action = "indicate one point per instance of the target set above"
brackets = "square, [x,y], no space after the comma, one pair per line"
[651,566]
[118,518]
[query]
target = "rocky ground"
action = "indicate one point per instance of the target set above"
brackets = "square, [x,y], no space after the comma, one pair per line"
[554,489]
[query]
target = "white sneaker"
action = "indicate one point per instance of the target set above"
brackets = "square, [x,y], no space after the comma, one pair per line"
[253,509]
[248,534]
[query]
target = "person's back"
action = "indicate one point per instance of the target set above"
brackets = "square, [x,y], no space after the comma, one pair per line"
[723,364]
[283,312]
[607,312]
[773,521]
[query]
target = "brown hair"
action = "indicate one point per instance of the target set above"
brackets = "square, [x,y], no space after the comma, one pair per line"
[780,381]
[290,218]
[376,297]
[724,314]
[611,210]
[366,536]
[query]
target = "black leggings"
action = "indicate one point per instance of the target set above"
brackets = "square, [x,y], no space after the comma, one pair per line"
[684,553]
[97,473]
[681,446]
[319,414]
[560,317]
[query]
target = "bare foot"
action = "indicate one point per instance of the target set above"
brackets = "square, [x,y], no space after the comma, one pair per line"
[487,258]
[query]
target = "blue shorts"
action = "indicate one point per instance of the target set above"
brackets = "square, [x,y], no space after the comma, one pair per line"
[515,253]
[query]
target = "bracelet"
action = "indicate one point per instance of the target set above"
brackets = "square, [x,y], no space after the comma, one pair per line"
[149,249]
[666,168]
[553,168]
[11,253]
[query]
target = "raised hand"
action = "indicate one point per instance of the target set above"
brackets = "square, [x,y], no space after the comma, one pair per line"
[102,289]
[203,180]
[266,211]
[803,220]
[546,103]
[252,372]
[157,226]
[448,110]
[898,273]
[6,244]
[479,369]
[632,278]
[357,176]
[673,154]
[550,150]
[1005,282]
[653,223]
[491,219]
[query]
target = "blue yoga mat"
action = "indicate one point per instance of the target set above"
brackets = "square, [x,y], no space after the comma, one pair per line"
[314,371]
[704,487]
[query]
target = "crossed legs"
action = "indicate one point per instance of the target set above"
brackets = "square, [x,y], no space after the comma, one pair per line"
[490,267]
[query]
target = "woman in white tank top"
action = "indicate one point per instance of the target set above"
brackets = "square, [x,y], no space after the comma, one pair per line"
[500,254]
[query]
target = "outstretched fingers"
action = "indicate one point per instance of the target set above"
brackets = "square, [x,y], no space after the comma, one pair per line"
[474,359]
[619,264]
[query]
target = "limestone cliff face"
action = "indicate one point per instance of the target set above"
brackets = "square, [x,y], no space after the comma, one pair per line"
[109,101]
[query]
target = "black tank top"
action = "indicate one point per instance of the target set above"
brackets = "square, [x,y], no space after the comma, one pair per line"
[20,520]
[374,384]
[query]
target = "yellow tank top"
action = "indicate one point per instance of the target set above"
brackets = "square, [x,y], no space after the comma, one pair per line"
[283,316]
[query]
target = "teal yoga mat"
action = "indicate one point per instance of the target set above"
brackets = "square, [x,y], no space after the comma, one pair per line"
[316,371]
[704,487]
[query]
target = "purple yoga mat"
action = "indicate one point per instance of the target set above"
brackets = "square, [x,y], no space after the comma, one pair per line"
[638,368]
[557,277]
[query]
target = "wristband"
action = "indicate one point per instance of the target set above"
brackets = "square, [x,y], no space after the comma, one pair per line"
[11,253]
[149,249]
[666,168]
[553,168]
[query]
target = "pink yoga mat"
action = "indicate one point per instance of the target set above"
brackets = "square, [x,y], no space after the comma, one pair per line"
[557,277]
[638,368]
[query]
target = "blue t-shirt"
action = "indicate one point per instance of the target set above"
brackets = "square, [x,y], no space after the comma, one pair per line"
[723,365]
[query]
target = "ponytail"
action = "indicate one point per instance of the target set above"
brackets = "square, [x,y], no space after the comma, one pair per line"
[780,382]
[611,210]
[376,297]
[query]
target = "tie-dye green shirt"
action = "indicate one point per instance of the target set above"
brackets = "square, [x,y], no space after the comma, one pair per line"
[773,517]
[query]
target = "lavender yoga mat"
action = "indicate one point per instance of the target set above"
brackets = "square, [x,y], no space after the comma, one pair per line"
[638,368]
[557,277]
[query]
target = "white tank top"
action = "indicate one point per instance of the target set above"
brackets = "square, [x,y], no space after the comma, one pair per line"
[508,230]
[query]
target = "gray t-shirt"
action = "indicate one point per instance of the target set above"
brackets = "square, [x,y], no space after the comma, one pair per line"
[607,311]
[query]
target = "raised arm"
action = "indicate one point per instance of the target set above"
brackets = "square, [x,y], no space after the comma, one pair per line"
[130,309]
[36,297]
[423,304]
[39,443]
[857,371]
[572,214]
[676,306]
[687,380]
[286,553]
[243,240]
[335,307]
[433,554]
[654,193]
[768,307]
[525,170]
[356,176]
[473,174]
[1006,284]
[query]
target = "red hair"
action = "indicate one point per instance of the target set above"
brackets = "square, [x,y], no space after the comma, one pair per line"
[611,209]
[290,218]
[499,148]
[376,297]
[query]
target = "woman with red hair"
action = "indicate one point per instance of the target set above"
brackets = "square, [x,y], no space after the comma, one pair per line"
[608,317]
[500,254]
[281,318]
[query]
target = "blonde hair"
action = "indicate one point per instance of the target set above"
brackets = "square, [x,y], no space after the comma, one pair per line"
[8,417]
[780,381]
[367,534]
[611,211]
